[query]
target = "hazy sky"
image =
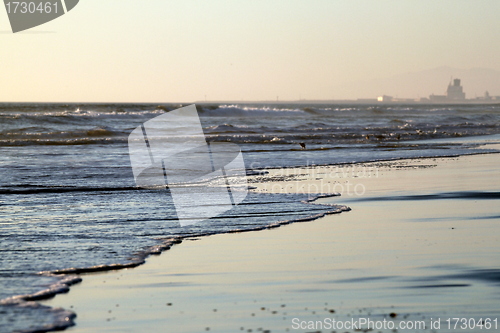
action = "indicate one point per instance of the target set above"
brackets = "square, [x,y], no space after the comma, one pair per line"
[182,51]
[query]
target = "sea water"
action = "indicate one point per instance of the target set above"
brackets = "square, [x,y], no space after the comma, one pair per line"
[69,204]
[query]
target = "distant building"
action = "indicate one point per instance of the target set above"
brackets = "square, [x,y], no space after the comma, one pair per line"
[438,98]
[405,100]
[455,92]
[488,98]
[385,98]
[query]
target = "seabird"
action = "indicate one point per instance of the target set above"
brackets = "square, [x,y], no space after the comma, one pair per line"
[303,145]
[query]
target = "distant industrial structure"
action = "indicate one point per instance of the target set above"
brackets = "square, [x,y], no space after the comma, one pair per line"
[454,94]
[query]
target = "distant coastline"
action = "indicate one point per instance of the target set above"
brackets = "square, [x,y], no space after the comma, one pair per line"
[353,102]
[454,95]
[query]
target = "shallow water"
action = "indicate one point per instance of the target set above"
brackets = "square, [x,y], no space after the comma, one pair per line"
[419,250]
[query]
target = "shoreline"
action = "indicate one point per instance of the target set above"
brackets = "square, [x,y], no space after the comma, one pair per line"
[70,277]
[56,300]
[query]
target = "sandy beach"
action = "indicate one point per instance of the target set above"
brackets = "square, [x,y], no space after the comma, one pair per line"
[419,245]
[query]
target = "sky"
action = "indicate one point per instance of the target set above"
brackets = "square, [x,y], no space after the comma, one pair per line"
[185,51]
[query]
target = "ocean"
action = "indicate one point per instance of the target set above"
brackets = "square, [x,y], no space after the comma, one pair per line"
[69,203]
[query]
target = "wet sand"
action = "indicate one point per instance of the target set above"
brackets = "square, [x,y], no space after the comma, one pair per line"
[420,244]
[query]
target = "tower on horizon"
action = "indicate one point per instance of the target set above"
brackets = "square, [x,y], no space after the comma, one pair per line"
[455,92]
